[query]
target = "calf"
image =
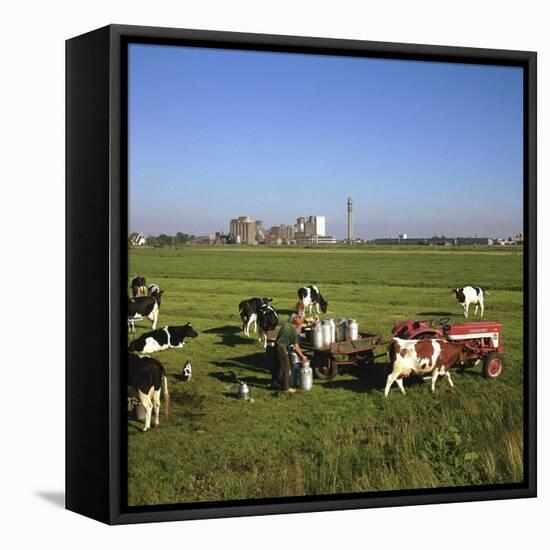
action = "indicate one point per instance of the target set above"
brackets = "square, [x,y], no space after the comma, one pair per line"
[267,320]
[469,295]
[138,286]
[428,356]
[248,310]
[146,377]
[164,338]
[310,296]
[140,308]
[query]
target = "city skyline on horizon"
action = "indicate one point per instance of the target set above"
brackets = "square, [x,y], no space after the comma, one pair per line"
[423,148]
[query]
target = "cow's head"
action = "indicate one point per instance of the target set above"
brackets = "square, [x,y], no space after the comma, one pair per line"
[156,293]
[323,303]
[189,331]
[459,293]
[266,300]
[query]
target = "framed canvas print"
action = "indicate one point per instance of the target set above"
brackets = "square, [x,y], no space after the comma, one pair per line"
[301,274]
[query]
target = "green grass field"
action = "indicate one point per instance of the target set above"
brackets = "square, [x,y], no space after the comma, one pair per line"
[343,436]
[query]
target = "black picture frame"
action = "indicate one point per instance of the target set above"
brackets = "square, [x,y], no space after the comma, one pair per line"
[96,270]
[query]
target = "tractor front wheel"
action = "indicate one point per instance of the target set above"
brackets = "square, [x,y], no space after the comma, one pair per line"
[493,365]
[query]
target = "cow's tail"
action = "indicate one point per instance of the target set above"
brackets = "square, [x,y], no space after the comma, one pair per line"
[166,394]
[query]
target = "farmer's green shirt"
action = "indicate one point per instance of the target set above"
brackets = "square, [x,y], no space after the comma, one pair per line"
[287,335]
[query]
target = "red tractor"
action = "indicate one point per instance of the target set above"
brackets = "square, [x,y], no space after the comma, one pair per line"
[483,338]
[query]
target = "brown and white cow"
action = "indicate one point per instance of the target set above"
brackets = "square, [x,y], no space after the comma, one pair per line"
[428,356]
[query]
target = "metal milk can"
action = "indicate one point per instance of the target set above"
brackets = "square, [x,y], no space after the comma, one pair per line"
[294,379]
[341,329]
[327,332]
[332,325]
[317,336]
[306,377]
[243,392]
[352,330]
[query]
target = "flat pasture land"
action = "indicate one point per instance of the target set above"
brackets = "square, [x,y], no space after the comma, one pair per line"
[343,436]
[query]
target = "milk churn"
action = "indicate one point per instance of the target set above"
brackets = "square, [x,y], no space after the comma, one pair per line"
[293,356]
[243,391]
[294,379]
[317,336]
[352,331]
[306,377]
[327,332]
[341,329]
[332,325]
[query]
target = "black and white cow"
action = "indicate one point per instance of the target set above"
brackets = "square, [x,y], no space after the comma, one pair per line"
[138,286]
[146,378]
[470,295]
[155,291]
[310,296]
[142,307]
[267,320]
[164,338]
[248,310]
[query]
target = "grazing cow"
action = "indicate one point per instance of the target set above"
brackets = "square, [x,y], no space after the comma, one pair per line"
[267,320]
[140,308]
[428,356]
[469,295]
[248,310]
[310,296]
[146,376]
[164,338]
[138,286]
[155,291]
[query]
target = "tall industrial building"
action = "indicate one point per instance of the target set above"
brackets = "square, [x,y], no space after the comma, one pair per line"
[350,220]
[244,230]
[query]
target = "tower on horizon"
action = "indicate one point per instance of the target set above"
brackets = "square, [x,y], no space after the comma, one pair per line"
[350,220]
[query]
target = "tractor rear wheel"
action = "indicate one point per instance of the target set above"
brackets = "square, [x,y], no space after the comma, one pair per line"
[493,365]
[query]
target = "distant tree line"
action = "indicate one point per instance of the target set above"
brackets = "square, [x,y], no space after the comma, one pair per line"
[169,240]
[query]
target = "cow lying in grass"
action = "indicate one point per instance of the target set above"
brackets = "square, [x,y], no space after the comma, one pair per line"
[164,338]
[429,356]
[147,378]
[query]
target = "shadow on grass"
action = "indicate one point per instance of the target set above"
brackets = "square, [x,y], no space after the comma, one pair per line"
[230,377]
[229,335]
[436,313]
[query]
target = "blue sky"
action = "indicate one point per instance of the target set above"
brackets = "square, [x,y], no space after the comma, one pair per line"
[422,148]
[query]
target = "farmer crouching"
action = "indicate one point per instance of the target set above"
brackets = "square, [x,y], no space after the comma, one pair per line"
[287,337]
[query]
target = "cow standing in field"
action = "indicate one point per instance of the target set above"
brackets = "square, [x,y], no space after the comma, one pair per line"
[428,356]
[138,286]
[311,296]
[248,310]
[164,338]
[147,378]
[140,308]
[470,295]
[267,320]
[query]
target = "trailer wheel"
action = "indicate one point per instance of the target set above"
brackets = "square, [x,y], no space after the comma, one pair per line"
[493,365]
[324,368]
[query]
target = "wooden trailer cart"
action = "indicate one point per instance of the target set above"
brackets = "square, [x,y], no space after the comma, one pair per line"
[327,360]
